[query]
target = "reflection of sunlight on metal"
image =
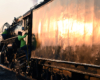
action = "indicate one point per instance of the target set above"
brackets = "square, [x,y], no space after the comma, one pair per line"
[5,26]
[20,18]
[88,28]
[52,28]
[38,36]
[37,41]
[9,45]
[39,27]
[71,25]
[77,27]
[71,29]
[62,27]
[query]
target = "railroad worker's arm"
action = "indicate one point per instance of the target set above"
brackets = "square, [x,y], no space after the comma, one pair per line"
[21,37]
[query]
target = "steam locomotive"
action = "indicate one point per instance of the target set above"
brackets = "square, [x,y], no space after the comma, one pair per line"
[64,41]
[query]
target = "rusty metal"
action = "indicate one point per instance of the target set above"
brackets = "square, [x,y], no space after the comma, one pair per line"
[73,70]
[10,40]
[67,62]
[68,30]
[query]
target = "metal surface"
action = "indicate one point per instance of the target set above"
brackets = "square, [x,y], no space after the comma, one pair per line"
[76,71]
[0,57]
[18,27]
[9,40]
[67,62]
[68,30]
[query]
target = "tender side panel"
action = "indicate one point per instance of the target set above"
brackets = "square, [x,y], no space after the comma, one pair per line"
[68,30]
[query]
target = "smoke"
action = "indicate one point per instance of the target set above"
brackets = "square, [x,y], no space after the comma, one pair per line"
[37,1]
[34,2]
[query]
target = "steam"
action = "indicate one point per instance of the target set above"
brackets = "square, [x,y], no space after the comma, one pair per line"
[34,2]
[37,1]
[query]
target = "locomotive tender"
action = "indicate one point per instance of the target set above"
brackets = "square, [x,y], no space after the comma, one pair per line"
[66,34]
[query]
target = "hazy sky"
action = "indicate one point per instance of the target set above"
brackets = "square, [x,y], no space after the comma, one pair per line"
[14,8]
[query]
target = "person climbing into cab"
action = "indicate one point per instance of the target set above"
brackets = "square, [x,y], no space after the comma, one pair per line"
[23,45]
[5,34]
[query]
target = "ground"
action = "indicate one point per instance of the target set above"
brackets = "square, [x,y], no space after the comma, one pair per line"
[9,75]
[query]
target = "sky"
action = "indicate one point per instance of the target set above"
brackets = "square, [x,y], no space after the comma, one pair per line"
[14,8]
